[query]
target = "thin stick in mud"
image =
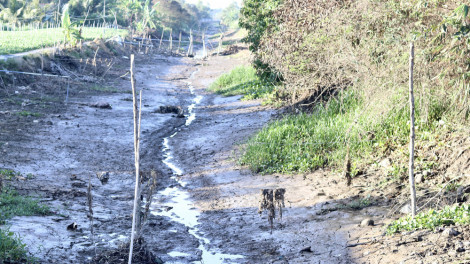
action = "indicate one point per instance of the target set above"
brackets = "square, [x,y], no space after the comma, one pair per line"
[412,133]
[137,116]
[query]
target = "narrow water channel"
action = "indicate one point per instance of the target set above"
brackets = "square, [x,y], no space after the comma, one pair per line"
[183,210]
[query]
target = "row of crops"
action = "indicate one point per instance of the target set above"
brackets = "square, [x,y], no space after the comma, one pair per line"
[12,42]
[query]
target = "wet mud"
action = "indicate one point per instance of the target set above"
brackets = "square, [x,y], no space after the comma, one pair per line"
[205,209]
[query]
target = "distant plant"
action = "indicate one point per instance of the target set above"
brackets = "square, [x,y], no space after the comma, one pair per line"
[71,33]
[230,15]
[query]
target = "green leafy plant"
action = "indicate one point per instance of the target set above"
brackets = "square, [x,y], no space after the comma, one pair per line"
[13,204]
[12,249]
[451,215]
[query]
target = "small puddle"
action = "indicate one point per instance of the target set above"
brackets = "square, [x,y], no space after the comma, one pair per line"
[183,210]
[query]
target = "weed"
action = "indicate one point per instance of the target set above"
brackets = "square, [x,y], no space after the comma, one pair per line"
[358,204]
[100,88]
[432,219]
[8,174]
[13,204]
[28,113]
[305,142]
[12,249]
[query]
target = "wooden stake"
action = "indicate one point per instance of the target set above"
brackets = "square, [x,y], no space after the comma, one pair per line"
[204,53]
[171,40]
[179,43]
[137,116]
[220,44]
[190,48]
[412,134]
[161,39]
[94,59]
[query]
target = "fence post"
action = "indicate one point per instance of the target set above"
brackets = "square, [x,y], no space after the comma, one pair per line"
[412,134]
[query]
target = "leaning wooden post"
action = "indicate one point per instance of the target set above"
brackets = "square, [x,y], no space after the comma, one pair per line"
[171,40]
[161,39]
[220,44]
[412,134]
[190,48]
[204,53]
[137,116]
[179,43]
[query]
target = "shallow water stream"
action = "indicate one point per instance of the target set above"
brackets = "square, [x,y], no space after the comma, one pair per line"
[183,210]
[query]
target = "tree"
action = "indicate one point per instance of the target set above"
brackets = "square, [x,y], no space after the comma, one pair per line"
[256,16]
[230,15]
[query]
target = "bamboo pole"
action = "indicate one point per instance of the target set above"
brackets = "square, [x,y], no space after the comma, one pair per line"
[137,115]
[412,134]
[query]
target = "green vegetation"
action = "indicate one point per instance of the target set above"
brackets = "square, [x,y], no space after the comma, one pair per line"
[230,15]
[13,204]
[358,204]
[362,49]
[242,81]
[21,41]
[12,249]
[28,113]
[28,25]
[305,142]
[454,215]
[256,16]
[101,88]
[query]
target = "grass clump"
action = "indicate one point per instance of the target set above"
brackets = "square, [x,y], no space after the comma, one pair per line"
[450,215]
[28,113]
[12,249]
[242,81]
[305,142]
[13,204]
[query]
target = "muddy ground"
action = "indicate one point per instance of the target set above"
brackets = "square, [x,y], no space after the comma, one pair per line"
[205,209]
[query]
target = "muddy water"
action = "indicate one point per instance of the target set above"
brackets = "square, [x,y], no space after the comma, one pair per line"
[182,209]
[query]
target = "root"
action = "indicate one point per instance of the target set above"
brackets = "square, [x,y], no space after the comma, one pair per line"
[269,201]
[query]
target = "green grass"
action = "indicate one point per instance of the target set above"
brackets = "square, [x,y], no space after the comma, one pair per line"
[305,142]
[20,41]
[242,81]
[451,215]
[8,174]
[28,113]
[12,249]
[12,204]
[101,88]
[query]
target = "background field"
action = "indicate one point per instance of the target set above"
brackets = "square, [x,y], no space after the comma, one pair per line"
[20,41]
